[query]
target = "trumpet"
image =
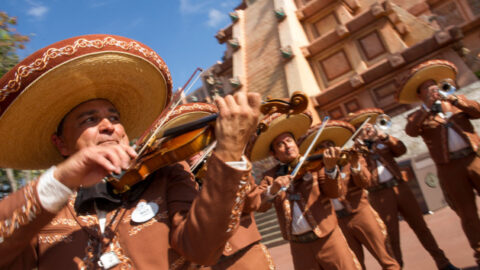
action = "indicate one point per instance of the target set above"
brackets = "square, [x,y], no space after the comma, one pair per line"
[446,89]
[383,122]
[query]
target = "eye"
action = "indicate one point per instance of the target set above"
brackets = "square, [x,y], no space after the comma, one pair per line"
[114,118]
[89,120]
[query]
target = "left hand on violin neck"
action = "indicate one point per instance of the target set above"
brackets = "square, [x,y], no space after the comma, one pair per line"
[238,118]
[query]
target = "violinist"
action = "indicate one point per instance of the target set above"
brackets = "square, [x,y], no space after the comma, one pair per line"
[359,222]
[304,211]
[243,250]
[389,193]
[444,123]
[90,95]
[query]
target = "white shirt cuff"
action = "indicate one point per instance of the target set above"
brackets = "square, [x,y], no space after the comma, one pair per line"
[357,169]
[239,165]
[268,195]
[53,195]
[333,174]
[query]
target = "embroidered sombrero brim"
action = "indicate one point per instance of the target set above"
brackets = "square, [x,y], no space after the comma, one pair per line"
[37,93]
[336,131]
[357,118]
[437,70]
[259,146]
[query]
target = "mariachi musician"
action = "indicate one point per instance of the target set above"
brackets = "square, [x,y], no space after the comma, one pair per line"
[359,222]
[444,123]
[389,192]
[243,249]
[304,211]
[89,95]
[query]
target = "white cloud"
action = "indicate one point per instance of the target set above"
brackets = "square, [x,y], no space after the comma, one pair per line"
[37,10]
[188,7]
[216,17]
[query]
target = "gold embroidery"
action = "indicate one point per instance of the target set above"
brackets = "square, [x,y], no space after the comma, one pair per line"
[288,217]
[64,221]
[56,238]
[243,188]
[177,263]
[139,228]
[228,248]
[271,266]
[21,216]
[42,62]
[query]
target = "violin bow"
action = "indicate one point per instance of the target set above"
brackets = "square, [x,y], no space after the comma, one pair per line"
[206,153]
[356,133]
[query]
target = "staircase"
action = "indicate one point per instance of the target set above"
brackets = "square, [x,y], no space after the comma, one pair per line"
[267,224]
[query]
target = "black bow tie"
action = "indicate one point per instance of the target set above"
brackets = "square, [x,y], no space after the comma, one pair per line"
[103,196]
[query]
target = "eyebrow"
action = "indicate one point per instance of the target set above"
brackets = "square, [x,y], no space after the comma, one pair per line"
[91,112]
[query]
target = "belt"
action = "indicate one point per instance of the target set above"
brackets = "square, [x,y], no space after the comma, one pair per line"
[342,213]
[461,153]
[389,184]
[304,237]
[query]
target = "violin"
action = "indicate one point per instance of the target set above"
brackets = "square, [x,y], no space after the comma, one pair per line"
[167,145]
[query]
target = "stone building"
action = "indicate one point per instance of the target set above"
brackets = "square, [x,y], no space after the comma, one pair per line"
[347,55]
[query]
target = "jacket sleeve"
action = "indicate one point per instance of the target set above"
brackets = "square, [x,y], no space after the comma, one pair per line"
[396,146]
[201,224]
[332,188]
[21,219]
[470,107]
[253,198]
[414,123]
[362,178]
[265,202]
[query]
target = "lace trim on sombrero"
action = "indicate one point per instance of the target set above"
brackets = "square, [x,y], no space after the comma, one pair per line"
[41,63]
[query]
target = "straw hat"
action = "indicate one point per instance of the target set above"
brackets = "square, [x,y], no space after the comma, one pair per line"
[336,131]
[258,147]
[437,70]
[358,117]
[37,93]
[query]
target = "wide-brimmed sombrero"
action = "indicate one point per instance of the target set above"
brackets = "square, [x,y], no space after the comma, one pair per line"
[37,93]
[437,70]
[357,118]
[335,130]
[258,147]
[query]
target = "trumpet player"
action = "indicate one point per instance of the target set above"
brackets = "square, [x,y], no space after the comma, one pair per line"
[443,122]
[389,192]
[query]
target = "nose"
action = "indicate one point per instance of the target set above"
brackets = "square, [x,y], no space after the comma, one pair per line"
[106,126]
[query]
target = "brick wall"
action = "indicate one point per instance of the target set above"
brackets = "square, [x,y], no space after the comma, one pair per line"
[264,64]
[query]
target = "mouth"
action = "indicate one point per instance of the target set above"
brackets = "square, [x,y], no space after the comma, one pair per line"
[107,142]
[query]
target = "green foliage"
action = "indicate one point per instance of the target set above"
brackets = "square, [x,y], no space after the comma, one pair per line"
[10,41]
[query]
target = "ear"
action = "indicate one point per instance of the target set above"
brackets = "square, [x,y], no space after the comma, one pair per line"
[60,144]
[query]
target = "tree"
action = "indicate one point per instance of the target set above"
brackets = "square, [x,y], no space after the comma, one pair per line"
[10,41]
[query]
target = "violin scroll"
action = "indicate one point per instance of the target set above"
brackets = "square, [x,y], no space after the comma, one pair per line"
[297,104]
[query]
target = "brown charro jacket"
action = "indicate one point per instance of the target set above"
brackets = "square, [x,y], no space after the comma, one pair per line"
[355,185]
[315,190]
[434,132]
[247,232]
[385,151]
[189,225]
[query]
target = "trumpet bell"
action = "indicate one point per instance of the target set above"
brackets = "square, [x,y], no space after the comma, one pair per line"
[383,122]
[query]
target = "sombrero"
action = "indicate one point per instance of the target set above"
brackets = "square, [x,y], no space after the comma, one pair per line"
[336,131]
[37,93]
[258,147]
[437,70]
[357,118]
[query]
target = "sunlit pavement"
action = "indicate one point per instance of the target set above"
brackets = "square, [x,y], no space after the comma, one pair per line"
[446,228]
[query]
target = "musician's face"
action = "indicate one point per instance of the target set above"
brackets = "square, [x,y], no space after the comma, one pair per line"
[428,92]
[285,148]
[95,122]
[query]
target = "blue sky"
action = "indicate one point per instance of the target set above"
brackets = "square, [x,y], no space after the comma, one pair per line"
[180,31]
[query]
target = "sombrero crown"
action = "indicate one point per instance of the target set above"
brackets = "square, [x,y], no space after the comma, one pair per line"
[336,131]
[437,70]
[357,118]
[37,93]
[258,147]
